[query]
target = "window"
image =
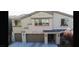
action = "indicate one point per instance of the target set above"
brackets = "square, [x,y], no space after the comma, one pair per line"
[40,21]
[36,22]
[64,22]
[44,22]
[17,23]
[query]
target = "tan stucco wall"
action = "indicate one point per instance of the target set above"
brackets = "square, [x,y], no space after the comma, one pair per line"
[17,29]
[57,21]
[36,29]
[54,22]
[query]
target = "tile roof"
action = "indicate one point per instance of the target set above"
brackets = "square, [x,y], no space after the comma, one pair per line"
[49,12]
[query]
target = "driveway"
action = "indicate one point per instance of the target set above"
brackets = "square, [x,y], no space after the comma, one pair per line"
[31,44]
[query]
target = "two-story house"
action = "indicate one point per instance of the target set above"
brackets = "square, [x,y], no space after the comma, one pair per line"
[41,26]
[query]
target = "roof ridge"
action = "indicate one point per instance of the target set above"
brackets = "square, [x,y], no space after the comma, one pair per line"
[50,12]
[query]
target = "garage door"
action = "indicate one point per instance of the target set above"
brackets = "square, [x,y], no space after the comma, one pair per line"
[35,37]
[18,37]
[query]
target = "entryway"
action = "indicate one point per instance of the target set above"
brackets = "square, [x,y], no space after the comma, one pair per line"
[51,38]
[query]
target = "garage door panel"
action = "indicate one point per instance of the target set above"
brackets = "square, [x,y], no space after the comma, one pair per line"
[35,37]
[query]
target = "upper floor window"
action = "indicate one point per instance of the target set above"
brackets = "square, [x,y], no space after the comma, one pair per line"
[17,23]
[64,22]
[44,22]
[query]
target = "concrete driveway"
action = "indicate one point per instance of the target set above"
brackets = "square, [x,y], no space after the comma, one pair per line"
[31,44]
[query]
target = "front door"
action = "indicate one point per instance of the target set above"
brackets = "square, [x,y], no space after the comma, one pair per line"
[51,38]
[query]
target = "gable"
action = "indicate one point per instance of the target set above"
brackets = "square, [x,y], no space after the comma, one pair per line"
[41,15]
[44,14]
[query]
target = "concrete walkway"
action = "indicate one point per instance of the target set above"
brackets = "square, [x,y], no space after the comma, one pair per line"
[31,44]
